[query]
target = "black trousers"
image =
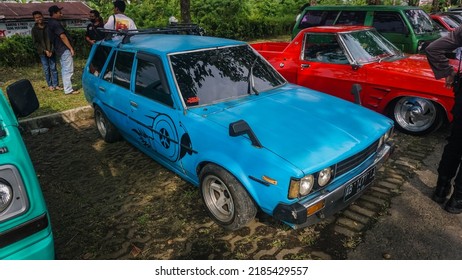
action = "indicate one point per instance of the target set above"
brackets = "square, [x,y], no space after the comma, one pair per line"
[452,154]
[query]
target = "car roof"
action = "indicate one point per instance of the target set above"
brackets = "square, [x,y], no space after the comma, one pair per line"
[170,43]
[361,8]
[336,28]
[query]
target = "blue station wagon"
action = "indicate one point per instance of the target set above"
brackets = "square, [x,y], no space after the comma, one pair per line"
[219,115]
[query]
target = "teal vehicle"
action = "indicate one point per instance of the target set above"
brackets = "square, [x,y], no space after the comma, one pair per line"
[409,28]
[25,228]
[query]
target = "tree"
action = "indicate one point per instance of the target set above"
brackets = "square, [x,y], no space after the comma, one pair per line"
[185,7]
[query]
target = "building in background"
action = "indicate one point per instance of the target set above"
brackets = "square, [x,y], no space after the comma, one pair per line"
[16,18]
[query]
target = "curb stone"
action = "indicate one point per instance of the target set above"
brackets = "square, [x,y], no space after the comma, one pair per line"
[47,121]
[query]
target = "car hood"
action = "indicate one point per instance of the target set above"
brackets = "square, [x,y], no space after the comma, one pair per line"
[416,65]
[303,126]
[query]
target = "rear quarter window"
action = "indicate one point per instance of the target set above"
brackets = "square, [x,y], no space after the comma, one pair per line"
[98,60]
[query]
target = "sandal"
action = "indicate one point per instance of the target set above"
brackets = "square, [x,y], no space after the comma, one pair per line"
[51,88]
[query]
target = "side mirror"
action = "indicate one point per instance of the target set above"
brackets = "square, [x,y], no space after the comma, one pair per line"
[22,98]
[241,127]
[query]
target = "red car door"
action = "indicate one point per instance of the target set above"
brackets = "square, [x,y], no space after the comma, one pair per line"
[324,66]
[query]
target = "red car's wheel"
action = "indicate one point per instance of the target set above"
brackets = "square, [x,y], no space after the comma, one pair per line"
[416,116]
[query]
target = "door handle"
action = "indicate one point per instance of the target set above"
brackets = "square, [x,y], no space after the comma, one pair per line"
[133,104]
[102,89]
[304,66]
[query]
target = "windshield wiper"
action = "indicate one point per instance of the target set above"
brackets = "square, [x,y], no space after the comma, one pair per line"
[381,58]
[251,79]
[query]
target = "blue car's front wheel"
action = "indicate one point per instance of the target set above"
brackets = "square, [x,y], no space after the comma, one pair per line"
[227,202]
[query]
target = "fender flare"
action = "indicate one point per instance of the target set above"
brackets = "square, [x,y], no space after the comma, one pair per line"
[445,102]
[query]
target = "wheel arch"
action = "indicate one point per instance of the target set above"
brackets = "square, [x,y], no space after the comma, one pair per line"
[442,102]
[233,169]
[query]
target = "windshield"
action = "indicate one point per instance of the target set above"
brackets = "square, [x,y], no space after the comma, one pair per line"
[368,46]
[213,75]
[420,21]
[449,21]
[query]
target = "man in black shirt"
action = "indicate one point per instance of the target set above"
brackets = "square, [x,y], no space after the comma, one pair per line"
[93,34]
[62,47]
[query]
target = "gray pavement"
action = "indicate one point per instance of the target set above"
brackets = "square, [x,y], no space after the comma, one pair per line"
[415,227]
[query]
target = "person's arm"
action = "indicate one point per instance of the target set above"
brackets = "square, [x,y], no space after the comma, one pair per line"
[48,45]
[437,59]
[66,42]
[90,41]
[36,41]
[110,23]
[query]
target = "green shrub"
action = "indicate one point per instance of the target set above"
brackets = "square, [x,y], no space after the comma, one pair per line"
[20,51]
[17,51]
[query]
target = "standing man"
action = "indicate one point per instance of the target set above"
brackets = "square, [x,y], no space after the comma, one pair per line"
[93,34]
[62,46]
[452,154]
[118,20]
[44,49]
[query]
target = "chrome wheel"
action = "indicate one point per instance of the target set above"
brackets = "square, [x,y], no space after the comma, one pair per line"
[415,115]
[101,123]
[107,131]
[218,198]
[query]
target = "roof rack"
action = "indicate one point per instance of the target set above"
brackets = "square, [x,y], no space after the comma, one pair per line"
[174,28]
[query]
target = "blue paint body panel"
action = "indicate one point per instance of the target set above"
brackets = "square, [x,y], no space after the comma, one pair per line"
[302,131]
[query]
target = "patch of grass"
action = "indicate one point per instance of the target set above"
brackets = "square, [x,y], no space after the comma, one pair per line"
[50,101]
[352,242]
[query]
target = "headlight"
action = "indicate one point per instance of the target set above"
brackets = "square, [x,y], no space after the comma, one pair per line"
[324,176]
[6,195]
[389,133]
[301,187]
[380,142]
[306,185]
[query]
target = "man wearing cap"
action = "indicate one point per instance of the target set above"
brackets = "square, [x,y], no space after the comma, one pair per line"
[62,46]
[118,20]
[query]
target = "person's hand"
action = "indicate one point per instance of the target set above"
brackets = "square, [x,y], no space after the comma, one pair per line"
[72,52]
[450,80]
[48,53]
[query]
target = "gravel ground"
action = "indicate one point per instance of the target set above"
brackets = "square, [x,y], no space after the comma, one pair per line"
[110,201]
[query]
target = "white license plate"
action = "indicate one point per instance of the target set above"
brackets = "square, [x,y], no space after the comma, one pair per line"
[359,184]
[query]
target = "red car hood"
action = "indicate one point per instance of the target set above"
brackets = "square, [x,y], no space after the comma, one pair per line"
[412,65]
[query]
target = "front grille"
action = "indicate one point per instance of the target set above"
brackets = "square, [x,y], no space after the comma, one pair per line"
[353,161]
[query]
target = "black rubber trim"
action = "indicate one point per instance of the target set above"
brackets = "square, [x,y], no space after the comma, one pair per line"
[22,231]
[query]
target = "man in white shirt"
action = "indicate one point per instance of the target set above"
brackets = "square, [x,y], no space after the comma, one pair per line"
[118,20]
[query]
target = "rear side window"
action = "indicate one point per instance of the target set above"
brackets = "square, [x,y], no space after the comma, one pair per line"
[317,18]
[351,18]
[98,60]
[389,22]
[123,69]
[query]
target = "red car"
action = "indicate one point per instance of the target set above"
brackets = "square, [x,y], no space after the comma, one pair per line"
[445,21]
[332,59]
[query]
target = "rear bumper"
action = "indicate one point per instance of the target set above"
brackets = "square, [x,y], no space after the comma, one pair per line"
[332,201]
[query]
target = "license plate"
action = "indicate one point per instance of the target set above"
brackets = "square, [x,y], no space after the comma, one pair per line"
[359,184]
